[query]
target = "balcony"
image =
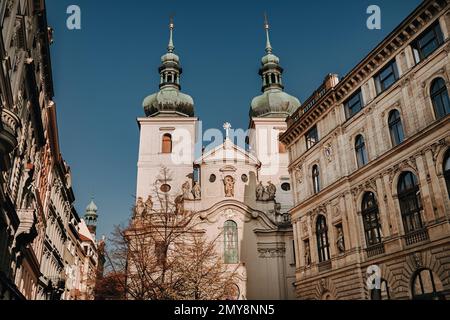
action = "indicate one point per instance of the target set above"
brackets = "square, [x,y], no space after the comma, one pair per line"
[8,126]
[375,250]
[417,237]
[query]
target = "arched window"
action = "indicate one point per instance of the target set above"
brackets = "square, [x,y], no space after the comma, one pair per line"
[361,152]
[370,215]
[323,244]
[230,232]
[426,285]
[316,179]
[166,144]
[396,128]
[439,96]
[410,203]
[381,293]
[447,171]
[273,78]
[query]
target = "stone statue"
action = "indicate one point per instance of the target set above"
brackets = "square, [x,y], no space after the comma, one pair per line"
[340,241]
[260,192]
[229,186]
[186,190]
[179,204]
[307,254]
[271,190]
[149,205]
[197,191]
[139,209]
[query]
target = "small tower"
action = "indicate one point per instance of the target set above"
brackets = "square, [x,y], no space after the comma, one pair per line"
[168,131]
[91,217]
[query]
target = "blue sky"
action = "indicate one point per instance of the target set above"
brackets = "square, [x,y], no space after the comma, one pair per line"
[103,72]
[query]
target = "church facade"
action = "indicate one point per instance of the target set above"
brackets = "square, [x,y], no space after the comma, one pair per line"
[241,197]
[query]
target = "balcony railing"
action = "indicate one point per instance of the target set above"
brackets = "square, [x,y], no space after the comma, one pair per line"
[375,250]
[416,237]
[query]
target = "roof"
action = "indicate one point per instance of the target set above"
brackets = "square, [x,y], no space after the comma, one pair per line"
[228,151]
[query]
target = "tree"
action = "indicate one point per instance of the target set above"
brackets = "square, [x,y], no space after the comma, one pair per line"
[165,255]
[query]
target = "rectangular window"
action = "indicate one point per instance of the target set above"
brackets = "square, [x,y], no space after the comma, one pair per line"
[312,138]
[386,77]
[354,104]
[428,42]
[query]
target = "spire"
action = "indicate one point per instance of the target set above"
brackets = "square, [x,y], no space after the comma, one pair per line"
[267,28]
[169,100]
[271,72]
[171,47]
[274,102]
[91,216]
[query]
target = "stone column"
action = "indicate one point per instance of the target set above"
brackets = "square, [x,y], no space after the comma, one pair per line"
[425,193]
[352,216]
[383,214]
[297,240]
[437,191]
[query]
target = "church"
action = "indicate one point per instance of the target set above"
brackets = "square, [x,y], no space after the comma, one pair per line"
[242,195]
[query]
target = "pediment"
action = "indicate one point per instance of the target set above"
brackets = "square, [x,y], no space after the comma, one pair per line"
[230,153]
[236,209]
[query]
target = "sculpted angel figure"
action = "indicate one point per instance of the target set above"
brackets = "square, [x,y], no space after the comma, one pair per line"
[197,191]
[260,191]
[139,209]
[271,190]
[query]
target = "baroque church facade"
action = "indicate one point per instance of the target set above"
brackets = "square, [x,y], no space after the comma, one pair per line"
[242,198]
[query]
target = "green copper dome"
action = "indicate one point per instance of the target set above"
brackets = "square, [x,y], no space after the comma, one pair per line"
[169,101]
[274,102]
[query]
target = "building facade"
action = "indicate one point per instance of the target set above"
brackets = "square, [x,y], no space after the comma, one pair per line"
[369,161]
[241,196]
[36,196]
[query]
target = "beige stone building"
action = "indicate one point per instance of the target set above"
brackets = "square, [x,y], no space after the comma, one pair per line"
[369,161]
[36,196]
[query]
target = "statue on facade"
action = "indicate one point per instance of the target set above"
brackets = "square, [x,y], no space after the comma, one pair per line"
[197,191]
[149,205]
[139,209]
[271,190]
[229,186]
[186,188]
[179,204]
[307,254]
[340,240]
[260,192]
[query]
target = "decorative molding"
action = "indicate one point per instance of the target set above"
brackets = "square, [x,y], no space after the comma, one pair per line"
[270,253]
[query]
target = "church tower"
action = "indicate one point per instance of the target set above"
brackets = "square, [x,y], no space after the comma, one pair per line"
[268,115]
[91,218]
[168,132]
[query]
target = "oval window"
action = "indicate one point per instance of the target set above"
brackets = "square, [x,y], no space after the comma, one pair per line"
[212,178]
[165,188]
[244,178]
[286,187]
